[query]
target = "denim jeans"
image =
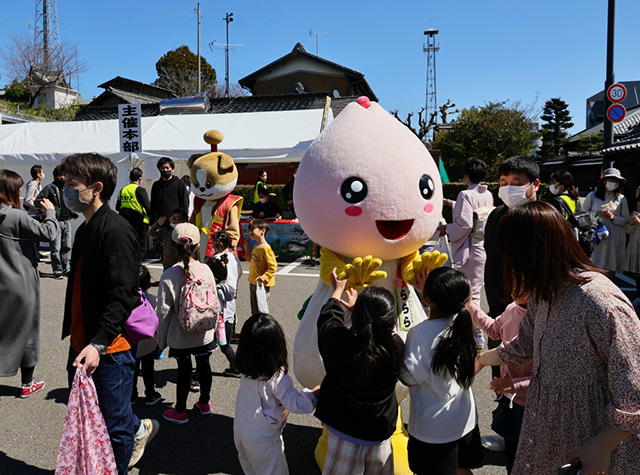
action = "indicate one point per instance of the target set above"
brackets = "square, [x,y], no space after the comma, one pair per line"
[61,248]
[113,379]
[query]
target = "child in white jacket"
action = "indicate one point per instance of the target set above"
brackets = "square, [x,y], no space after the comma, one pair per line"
[265,397]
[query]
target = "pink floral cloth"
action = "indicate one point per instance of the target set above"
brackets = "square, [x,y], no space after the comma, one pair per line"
[85,448]
[585,348]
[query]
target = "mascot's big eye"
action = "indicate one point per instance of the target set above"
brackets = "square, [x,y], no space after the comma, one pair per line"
[196,184]
[426,187]
[353,190]
[208,184]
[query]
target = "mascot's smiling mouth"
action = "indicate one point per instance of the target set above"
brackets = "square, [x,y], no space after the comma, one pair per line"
[394,230]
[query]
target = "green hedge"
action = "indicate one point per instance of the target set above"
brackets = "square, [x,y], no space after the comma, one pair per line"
[449,190]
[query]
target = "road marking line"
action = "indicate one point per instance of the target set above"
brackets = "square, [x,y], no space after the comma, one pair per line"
[292,266]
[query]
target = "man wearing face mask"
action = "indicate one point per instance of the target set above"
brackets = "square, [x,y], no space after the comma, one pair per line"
[61,245]
[101,293]
[266,209]
[519,183]
[168,193]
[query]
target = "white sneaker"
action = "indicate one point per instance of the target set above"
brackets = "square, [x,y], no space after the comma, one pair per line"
[140,443]
[494,443]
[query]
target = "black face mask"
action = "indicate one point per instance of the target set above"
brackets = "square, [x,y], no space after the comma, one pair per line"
[166,174]
[59,182]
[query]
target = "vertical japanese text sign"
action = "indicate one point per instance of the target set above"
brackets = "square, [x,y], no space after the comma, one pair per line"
[130,127]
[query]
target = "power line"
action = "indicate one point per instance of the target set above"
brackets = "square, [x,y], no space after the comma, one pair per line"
[113,25]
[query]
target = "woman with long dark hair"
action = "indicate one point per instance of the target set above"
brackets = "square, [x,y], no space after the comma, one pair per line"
[20,282]
[583,338]
[439,357]
[609,205]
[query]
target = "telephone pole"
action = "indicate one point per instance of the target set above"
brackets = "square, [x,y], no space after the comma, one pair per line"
[228,19]
[199,69]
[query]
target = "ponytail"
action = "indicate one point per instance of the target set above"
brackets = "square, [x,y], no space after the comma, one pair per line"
[373,318]
[187,250]
[455,354]
[456,351]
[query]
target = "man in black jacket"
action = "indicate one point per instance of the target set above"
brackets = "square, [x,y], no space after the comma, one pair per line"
[519,183]
[101,293]
[61,245]
[168,193]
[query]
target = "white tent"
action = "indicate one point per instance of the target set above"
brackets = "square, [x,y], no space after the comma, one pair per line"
[257,137]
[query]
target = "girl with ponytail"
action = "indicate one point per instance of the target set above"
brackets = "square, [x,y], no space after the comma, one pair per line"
[439,368]
[362,358]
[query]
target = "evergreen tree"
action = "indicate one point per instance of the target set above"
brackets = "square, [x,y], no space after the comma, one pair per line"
[178,72]
[557,120]
[492,132]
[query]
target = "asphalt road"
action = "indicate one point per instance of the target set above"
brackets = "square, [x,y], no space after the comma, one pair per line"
[30,428]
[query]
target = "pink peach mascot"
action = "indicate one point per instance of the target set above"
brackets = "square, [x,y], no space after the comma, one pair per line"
[369,193]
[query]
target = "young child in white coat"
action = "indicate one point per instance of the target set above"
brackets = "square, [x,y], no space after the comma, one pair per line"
[265,397]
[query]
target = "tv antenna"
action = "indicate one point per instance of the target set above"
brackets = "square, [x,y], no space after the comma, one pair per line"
[317,33]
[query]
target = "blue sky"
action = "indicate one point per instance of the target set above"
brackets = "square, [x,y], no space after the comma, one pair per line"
[493,50]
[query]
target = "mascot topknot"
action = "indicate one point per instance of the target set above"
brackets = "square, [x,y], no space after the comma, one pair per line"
[369,193]
[213,177]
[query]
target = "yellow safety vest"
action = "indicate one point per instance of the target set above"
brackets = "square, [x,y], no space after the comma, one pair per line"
[128,200]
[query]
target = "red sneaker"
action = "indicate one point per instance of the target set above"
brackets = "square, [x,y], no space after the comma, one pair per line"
[34,387]
[205,409]
[175,416]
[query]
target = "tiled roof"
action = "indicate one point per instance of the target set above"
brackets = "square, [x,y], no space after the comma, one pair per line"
[268,103]
[119,81]
[132,97]
[111,112]
[271,103]
[299,49]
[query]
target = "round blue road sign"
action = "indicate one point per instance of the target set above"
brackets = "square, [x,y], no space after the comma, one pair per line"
[616,112]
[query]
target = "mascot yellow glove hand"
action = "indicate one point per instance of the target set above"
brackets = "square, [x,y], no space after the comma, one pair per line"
[430,260]
[362,272]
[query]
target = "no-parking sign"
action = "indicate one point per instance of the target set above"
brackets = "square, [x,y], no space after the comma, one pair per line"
[616,112]
[617,92]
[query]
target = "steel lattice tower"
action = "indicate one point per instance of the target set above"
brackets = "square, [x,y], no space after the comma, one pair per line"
[46,29]
[431,49]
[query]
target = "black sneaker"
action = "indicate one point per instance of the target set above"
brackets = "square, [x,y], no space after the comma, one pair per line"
[233,373]
[153,400]
[195,386]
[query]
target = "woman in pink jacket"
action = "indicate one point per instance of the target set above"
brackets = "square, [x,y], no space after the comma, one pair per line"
[466,231]
[513,383]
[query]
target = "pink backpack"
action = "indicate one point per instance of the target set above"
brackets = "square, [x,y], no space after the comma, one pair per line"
[198,307]
[85,447]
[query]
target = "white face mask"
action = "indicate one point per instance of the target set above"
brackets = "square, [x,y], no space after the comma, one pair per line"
[513,195]
[263,200]
[611,185]
[43,176]
[173,225]
[554,188]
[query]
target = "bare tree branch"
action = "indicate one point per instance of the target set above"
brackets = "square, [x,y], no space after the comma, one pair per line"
[24,61]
